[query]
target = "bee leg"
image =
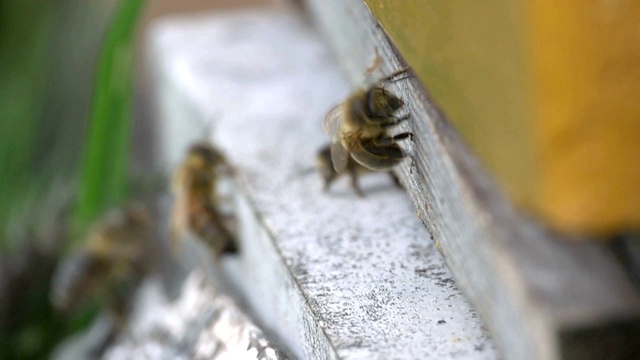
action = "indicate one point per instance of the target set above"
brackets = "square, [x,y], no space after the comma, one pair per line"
[218,236]
[386,141]
[383,141]
[404,117]
[120,311]
[328,179]
[117,324]
[353,172]
[216,239]
[230,245]
[327,185]
[385,147]
[396,121]
[392,77]
[396,180]
[403,136]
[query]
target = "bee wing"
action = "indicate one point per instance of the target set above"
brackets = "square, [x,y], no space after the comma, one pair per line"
[339,157]
[333,120]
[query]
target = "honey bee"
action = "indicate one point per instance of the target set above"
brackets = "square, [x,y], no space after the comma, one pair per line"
[110,266]
[195,210]
[354,169]
[360,126]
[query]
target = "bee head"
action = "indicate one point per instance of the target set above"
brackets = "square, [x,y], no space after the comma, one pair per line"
[204,153]
[382,103]
[120,233]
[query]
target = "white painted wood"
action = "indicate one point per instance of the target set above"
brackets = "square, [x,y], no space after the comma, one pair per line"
[539,294]
[334,275]
[200,323]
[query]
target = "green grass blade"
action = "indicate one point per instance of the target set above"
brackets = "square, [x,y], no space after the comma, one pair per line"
[104,168]
[23,64]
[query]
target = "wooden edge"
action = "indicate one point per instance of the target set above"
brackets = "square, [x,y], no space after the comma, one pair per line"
[542,297]
[333,275]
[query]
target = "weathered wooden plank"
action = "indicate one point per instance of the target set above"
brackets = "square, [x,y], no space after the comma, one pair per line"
[335,275]
[534,290]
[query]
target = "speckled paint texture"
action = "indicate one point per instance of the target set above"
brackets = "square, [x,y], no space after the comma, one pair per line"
[336,275]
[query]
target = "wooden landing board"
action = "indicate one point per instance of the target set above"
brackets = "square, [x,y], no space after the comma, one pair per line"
[334,275]
[541,297]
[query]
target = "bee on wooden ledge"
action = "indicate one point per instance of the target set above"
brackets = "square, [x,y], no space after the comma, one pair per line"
[196,208]
[116,256]
[359,127]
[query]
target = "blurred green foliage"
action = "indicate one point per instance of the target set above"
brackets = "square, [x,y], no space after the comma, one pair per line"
[24,47]
[104,170]
[59,140]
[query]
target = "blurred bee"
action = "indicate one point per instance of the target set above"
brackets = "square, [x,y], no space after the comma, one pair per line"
[354,169]
[195,210]
[111,265]
[359,128]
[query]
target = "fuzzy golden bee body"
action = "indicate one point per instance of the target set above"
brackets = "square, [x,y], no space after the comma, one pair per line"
[111,265]
[195,210]
[359,128]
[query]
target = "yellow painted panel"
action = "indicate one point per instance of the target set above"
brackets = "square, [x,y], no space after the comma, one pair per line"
[471,58]
[587,71]
[546,92]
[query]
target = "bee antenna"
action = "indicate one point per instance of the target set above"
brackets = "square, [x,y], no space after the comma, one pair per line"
[391,78]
